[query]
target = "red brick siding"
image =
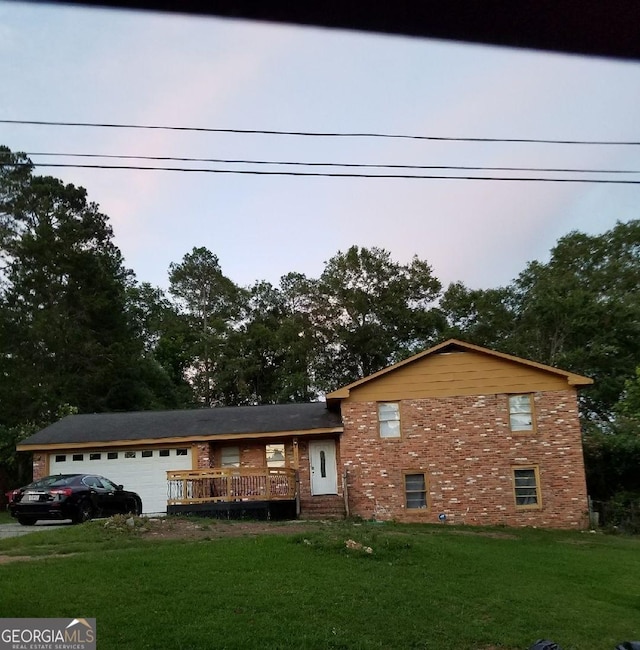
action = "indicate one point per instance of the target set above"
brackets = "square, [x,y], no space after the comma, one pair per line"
[203,451]
[40,465]
[252,454]
[304,471]
[467,452]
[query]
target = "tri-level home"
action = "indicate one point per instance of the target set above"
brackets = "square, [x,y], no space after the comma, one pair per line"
[457,433]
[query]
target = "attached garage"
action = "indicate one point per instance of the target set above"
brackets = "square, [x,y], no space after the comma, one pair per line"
[137,449]
[141,470]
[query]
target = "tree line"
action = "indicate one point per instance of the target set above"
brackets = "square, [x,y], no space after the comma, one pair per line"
[79,332]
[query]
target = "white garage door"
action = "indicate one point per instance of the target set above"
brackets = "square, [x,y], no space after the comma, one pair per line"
[141,470]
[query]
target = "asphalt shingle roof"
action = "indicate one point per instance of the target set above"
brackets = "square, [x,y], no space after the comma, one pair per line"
[106,427]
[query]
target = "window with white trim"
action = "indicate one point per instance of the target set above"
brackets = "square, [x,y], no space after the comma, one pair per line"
[389,419]
[521,412]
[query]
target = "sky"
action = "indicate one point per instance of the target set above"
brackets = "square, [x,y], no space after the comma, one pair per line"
[70,64]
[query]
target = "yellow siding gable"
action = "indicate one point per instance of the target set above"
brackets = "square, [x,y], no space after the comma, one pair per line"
[446,374]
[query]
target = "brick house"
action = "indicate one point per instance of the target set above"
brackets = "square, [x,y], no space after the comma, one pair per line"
[467,434]
[457,433]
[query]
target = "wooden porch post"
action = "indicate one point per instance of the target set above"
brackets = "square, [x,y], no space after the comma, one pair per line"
[296,455]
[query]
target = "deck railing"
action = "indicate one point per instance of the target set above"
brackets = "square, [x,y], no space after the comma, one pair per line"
[224,485]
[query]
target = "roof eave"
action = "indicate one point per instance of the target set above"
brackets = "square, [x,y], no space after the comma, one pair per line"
[174,440]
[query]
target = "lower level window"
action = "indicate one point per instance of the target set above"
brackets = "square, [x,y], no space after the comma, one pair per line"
[526,485]
[276,455]
[230,457]
[415,490]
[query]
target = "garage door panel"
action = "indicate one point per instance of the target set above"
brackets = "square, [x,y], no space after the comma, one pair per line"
[141,470]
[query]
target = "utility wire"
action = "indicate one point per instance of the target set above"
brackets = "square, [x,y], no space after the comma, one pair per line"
[319,134]
[331,174]
[326,164]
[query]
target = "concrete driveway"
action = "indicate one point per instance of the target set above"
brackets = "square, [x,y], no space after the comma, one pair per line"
[14,530]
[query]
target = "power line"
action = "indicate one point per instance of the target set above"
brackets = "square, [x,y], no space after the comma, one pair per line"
[332,164]
[256,172]
[320,134]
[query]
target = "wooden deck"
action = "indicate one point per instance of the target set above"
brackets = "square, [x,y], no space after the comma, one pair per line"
[233,489]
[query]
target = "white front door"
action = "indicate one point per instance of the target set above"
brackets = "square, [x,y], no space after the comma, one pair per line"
[322,461]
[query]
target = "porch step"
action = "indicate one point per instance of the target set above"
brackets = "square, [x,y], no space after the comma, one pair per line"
[329,506]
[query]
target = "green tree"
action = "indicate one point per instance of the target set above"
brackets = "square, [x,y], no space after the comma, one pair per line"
[482,316]
[580,311]
[167,340]
[369,311]
[628,405]
[267,360]
[65,326]
[212,304]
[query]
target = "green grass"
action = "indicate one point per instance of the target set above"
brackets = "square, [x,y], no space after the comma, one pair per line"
[5,517]
[421,587]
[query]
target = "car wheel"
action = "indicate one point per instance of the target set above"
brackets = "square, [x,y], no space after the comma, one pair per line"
[134,507]
[84,512]
[27,521]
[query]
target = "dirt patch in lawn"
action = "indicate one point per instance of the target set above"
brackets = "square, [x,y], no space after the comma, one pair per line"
[5,559]
[194,529]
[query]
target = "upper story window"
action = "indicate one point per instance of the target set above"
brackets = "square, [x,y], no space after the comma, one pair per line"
[389,419]
[521,412]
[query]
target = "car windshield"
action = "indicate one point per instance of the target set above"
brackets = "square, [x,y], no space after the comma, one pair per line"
[53,481]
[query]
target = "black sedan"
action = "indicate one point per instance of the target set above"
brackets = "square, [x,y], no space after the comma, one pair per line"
[78,497]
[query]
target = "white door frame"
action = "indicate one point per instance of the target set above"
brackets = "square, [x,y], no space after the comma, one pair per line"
[323,469]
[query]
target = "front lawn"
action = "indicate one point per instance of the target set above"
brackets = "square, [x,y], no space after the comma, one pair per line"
[419,587]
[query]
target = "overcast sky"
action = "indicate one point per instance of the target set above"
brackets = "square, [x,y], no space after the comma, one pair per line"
[89,65]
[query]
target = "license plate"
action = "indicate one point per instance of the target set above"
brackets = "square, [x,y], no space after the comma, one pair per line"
[33,497]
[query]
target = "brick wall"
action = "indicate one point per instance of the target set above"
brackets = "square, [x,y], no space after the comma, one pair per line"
[40,466]
[467,452]
[252,454]
[203,451]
